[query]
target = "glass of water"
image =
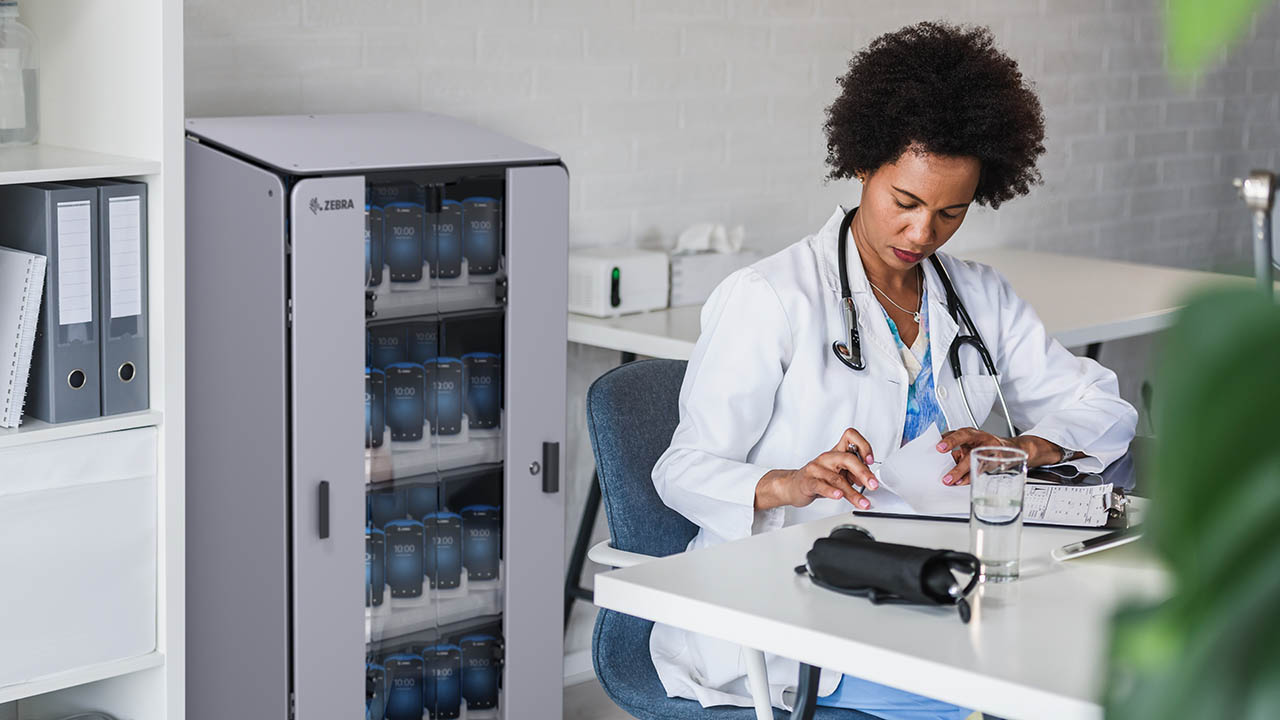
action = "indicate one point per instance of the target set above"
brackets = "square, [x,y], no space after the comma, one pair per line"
[997,478]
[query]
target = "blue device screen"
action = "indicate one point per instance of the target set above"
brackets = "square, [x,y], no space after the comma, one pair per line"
[483,373]
[444,549]
[481,541]
[404,558]
[479,671]
[372,245]
[404,678]
[406,405]
[383,194]
[480,227]
[442,669]
[422,500]
[375,708]
[374,399]
[444,251]
[374,565]
[385,506]
[386,346]
[444,409]
[402,239]
[424,341]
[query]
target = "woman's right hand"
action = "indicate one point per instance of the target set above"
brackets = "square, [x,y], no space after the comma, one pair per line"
[829,475]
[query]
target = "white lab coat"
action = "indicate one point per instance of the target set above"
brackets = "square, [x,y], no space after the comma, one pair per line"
[763,390]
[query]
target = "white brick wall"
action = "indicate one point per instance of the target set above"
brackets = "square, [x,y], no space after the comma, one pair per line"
[673,111]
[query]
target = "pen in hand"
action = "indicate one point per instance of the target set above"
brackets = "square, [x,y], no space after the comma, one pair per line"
[857,485]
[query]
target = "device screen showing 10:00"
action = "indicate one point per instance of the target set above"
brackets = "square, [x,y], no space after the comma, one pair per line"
[483,373]
[405,401]
[402,240]
[442,667]
[374,398]
[444,409]
[480,239]
[481,541]
[404,678]
[404,558]
[444,549]
[386,346]
[479,671]
[444,251]
[374,565]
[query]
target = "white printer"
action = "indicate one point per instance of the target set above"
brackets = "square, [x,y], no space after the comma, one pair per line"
[610,281]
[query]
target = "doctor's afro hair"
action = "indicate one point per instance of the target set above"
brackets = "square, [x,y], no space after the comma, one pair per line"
[941,89]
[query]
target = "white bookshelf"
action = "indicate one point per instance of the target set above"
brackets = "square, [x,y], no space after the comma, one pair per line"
[51,163]
[36,431]
[111,105]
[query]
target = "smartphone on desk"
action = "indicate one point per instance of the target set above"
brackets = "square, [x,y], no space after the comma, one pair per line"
[1097,544]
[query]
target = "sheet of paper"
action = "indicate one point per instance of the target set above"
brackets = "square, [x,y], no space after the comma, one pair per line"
[1066,504]
[914,473]
[126,256]
[75,263]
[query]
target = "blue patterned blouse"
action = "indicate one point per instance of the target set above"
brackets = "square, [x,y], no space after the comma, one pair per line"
[923,409]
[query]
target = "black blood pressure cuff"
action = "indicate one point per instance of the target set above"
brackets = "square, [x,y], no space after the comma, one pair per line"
[850,561]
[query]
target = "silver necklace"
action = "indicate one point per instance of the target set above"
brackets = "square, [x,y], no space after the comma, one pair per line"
[915,315]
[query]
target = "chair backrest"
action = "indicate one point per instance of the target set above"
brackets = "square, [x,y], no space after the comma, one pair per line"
[632,412]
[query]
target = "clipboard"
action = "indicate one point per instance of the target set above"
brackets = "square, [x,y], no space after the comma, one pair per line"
[1117,504]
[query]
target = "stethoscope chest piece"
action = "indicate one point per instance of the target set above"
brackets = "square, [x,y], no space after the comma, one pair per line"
[848,358]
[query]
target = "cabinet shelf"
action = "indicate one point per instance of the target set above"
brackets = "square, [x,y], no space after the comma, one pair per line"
[395,305]
[80,676]
[385,622]
[36,431]
[51,163]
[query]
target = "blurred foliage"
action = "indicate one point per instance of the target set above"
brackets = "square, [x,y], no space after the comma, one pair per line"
[1197,29]
[1213,649]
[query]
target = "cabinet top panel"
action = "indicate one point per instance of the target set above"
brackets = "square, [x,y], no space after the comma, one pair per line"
[322,144]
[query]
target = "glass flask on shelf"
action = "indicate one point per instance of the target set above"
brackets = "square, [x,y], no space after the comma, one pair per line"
[19,111]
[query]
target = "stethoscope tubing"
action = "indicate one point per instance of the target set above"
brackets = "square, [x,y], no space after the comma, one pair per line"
[851,353]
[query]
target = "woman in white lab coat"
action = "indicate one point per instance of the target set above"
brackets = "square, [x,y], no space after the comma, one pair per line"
[931,119]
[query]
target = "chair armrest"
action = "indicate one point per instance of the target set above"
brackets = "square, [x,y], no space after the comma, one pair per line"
[604,554]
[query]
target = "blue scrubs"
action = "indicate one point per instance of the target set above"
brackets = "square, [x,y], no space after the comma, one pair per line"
[922,411]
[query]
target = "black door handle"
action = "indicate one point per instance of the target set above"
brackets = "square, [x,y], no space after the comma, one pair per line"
[324,509]
[550,467]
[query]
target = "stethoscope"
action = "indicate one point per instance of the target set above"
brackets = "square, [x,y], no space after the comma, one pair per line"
[851,353]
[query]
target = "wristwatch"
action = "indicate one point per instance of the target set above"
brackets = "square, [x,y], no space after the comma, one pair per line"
[1066,456]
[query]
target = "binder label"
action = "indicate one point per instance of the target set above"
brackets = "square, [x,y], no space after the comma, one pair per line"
[124,219]
[75,263]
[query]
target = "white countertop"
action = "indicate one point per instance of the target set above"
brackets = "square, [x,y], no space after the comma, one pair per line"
[1034,648]
[1081,301]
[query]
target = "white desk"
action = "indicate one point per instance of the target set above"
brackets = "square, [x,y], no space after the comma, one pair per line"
[1034,648]
[1081,301]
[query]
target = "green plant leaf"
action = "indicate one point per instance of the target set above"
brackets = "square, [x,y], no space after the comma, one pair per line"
[1213,649]
[1197,29]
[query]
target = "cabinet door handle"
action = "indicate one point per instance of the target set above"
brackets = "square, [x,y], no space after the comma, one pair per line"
[324,509]
[550,467]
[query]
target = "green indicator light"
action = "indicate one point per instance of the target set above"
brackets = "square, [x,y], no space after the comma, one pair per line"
[615,273]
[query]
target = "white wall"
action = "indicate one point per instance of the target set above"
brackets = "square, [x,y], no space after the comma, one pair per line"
[674,111]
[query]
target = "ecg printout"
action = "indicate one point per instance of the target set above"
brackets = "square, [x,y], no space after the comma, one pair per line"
[1066,504]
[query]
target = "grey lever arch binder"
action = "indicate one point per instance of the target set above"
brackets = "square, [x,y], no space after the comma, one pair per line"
[61,223]
[122,294]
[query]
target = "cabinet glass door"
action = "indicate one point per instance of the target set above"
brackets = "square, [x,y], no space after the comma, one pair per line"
[434,268]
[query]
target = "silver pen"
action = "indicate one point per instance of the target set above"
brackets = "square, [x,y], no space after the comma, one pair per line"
[862,489]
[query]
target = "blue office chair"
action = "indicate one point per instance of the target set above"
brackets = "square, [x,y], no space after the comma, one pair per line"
[632,412]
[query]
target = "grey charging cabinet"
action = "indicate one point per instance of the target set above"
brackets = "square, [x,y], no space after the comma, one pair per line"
[286,506]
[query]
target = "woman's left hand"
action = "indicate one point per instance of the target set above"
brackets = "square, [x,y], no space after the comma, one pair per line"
[961,442]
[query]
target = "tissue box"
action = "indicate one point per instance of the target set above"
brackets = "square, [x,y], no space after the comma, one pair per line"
[695,275]
[605,282]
